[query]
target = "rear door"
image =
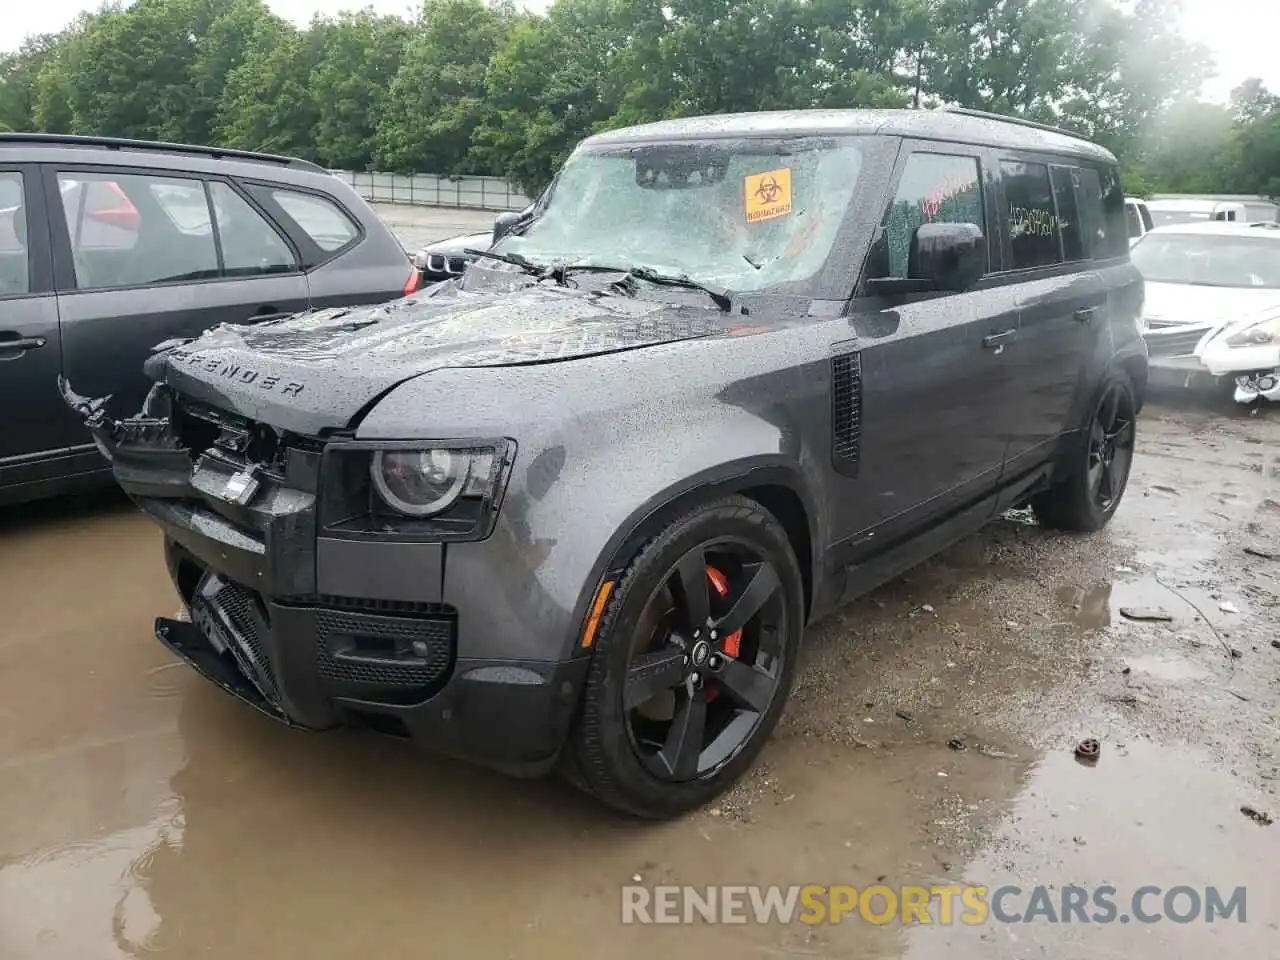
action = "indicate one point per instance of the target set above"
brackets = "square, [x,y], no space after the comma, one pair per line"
[32,428]
[147,256]
[1060,303]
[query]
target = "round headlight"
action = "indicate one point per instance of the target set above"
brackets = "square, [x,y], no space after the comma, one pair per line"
[420,483]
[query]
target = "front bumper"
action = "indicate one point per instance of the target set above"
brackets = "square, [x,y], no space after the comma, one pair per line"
[319,631]
[318,663]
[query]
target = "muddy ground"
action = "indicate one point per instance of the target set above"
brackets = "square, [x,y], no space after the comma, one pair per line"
[143,810]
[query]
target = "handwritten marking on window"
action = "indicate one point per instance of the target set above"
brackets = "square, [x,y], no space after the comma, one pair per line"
[1032,222]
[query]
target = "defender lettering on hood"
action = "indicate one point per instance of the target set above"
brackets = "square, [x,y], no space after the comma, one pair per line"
[233,371]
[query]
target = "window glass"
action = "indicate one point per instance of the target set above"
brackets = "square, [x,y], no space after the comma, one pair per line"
[1209,260]
[748,214]
[15,269]
[1033,220]
[1093,223]
[320,219]
[1064,195]
[1133,220]
[129,230]
[250,245]
[935,188]
[1115,239]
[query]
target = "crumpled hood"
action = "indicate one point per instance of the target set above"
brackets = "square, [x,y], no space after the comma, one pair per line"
[317,371]
[1184,303]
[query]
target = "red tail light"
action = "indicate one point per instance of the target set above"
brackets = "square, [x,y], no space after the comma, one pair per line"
[414,282]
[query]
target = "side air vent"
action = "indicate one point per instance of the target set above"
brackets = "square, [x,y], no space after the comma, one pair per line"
[846,411]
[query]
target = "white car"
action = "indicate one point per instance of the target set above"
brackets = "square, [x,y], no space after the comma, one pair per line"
[1137,219]
[1213,302]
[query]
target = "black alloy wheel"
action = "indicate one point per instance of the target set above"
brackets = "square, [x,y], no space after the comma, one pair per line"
[692,661]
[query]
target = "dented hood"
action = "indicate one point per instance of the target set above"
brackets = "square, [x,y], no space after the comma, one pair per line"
[318,371]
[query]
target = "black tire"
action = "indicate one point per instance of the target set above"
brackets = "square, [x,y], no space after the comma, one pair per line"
[1090,490]
[604,755]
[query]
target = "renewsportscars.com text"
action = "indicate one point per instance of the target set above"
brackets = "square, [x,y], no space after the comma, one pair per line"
[936,904]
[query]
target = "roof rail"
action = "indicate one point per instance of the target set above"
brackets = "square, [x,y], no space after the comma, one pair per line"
[159,146]
[1019,121]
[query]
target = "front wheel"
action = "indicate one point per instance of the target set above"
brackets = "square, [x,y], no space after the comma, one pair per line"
[693,661]
[1098,461]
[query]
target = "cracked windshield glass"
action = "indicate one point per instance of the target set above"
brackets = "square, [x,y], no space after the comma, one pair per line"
[742,215]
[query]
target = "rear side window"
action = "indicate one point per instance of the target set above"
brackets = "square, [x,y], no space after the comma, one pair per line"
[1064,195]
[320,219]
[935,188]
[1133,221]
[1114,241]
[1033,220]
[15,270]
[250,245]
[128,230]
[1146,216]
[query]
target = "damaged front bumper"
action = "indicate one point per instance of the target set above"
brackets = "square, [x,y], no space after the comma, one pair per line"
[287,619]
[1255,369]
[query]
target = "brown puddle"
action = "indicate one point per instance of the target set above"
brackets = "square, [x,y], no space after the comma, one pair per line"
[929,739]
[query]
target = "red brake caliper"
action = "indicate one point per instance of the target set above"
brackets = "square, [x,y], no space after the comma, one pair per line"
[732,643]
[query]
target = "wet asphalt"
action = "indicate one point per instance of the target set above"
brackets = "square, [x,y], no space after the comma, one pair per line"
[929,741]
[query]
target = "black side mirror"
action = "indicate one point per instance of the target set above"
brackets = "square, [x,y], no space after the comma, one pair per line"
[505,223]
[952,256]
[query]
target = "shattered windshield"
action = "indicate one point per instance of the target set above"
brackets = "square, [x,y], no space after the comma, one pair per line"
[740,214]
[1209,260]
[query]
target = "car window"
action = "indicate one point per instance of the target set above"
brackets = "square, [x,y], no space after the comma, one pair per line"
[1064,196]
[129,230]
[935,188]
[318,218]
[15,269]
[250,245]
[1132,220]
[1114,241]
[1033,218]
[1146,216]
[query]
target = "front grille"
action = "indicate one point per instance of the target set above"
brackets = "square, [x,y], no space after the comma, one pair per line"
[438,263]
[384,651]
[414,607]
[1176,344]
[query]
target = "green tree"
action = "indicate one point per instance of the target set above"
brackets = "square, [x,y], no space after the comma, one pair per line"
[437,98]
[267,102]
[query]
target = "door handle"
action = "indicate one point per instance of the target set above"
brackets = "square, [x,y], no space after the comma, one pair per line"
[13,349]
[996,341]
[1086,314]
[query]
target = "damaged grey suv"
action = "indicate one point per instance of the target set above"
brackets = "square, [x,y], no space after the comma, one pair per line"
[574,509]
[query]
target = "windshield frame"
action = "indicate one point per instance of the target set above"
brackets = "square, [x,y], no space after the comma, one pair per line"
[1144,245]
[837,274]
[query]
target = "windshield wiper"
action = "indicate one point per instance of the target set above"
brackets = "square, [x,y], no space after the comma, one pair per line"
[723,297]
[525,264]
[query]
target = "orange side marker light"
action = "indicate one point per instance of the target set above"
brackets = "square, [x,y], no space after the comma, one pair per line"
[597,609]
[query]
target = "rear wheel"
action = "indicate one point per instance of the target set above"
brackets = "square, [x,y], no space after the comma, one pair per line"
[1098,462]
[693,661]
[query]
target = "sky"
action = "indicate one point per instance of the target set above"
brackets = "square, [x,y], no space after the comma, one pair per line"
[1241,34]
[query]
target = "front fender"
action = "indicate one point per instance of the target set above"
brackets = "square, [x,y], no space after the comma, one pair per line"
[601,454]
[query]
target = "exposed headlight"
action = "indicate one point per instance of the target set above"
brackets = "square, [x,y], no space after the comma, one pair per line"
[428,481]
[1260,333]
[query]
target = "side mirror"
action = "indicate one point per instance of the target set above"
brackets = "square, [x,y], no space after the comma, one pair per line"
[505,223]
[952,256]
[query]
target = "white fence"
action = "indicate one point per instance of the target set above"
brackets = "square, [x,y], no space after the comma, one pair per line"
[429,190]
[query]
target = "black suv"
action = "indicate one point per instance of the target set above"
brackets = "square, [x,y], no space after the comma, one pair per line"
[108,247]
[578,506]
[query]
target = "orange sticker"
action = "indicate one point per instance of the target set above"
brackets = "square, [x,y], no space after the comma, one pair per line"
[768,195]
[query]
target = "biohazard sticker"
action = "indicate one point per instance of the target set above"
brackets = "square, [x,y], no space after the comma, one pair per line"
[768,195]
